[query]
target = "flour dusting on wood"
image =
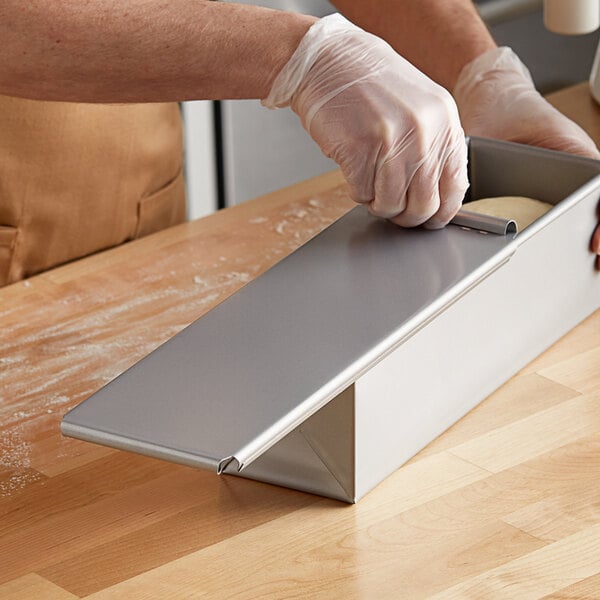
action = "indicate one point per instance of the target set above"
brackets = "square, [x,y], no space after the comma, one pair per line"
[61,342]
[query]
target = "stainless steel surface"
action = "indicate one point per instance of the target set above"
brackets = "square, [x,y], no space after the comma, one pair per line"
[265,150]
[484,223]
[317,456]
[555,61]
[497,11]
[497,327]
[343,307]
[208,393]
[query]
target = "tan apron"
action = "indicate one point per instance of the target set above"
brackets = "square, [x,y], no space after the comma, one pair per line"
[78,178]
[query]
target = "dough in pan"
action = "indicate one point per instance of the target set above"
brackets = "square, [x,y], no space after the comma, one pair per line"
[522,210]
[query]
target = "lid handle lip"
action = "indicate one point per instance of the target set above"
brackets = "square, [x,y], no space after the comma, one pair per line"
[229,460]
[485,223]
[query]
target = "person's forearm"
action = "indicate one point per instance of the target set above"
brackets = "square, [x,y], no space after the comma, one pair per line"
[143,50]
[438,36]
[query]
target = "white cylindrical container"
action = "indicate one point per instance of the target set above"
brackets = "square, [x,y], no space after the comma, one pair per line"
[571,17]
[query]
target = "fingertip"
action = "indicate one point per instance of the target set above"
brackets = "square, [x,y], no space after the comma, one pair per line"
[387,206]
[422,202]
[360,196]
[408,221]
[434,223]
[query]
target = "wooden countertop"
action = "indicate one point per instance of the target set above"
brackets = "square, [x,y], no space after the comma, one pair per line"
[503,505]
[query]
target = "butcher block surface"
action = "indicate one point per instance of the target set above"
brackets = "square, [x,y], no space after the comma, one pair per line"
[505,504]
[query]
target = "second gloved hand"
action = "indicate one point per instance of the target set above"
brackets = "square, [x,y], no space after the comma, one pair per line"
[497,98]
[395,134]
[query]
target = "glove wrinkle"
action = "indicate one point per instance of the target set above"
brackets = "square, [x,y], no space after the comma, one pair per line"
[393,131]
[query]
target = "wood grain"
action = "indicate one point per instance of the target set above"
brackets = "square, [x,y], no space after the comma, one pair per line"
[33,587]
[534,435]
[586,588]
[505,504]
[542,571]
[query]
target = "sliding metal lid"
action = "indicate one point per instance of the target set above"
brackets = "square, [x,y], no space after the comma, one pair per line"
[241,377]
[244,375]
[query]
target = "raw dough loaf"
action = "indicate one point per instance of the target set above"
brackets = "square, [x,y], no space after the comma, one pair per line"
[522,210]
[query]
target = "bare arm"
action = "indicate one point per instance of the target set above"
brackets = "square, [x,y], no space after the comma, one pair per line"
[143,50]
[438,36]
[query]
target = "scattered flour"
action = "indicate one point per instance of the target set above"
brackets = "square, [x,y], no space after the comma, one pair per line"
[9,360]
[15,450]
[18,481]
[299,213]
[50,365]
[280,227]
[243,277]
[15,457]
[258,220]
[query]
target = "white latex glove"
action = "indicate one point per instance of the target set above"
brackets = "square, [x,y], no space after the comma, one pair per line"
[496,98]
[395,134]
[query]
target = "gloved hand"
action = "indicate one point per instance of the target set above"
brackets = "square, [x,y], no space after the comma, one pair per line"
[496,98]
[395,134]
